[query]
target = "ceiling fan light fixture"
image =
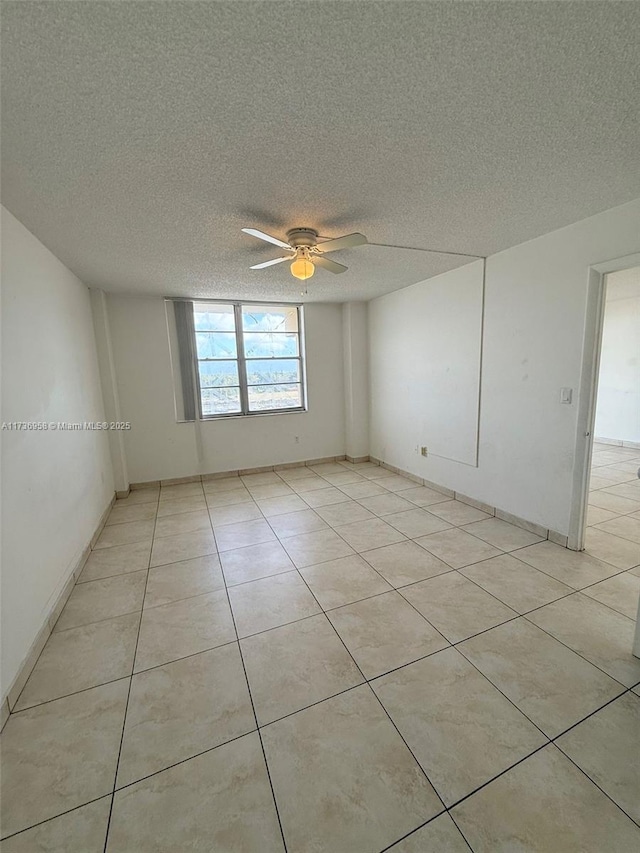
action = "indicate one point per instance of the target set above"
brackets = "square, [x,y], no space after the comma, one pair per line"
[306,252]
[302,268]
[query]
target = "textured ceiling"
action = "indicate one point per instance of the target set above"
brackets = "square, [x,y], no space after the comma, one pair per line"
[139,137]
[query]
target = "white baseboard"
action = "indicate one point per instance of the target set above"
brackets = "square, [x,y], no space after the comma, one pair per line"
[242,472]
[503,515]
[31,658]
[618,442]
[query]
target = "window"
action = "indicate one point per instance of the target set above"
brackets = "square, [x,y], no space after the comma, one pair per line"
[249,358]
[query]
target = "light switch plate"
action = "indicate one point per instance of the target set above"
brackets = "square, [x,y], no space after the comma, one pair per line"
[566,395]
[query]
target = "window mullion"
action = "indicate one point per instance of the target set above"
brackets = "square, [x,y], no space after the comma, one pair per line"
[242,364]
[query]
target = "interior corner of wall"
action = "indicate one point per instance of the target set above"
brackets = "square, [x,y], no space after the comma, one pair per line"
[109,387]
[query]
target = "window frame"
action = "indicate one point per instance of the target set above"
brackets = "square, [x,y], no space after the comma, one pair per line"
[241,360]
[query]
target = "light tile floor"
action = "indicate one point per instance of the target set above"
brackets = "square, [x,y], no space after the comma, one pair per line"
[335,659]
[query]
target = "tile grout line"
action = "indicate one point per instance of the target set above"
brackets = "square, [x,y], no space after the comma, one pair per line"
[126,707]
[607,577]
[452,645]
[305,618]
[253,707]
[184,760]
[365,681]
[617,535]
[58,632]
[624,688]
[396,589]
[628,690]
[579,654]
[546,603]
[422,825]
[550,743]
[502,693]
[464,837]
[255,716]
[73,693]
[584,772]
[319,702]
[54,817]
[616,514]
[525,615]
[411,752]
[104,618]
[354,550]
[622,571]
[324,613]
[498,775]
[372,692]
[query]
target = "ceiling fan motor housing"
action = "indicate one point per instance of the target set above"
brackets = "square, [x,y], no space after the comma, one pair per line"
[302,238]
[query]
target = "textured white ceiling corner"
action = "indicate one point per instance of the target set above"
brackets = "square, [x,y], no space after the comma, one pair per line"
[138,138]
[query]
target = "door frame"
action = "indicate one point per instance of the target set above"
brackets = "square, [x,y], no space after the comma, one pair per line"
[588,391]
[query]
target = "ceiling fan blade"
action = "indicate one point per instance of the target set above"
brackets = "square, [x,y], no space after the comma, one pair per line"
[326,264]
[262,236]
[271,263]
[346,242]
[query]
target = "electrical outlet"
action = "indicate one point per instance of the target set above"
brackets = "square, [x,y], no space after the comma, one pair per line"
[424,451]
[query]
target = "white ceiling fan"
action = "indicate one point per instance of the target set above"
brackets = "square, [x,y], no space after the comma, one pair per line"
[305,251]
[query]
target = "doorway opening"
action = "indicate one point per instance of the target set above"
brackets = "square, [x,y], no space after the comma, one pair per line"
[614,486]
[606,485]
[605,517]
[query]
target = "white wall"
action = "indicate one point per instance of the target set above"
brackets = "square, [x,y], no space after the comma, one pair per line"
[533,334]
[425,356]
[55,484]
[110,395]
[355,337]
[618,409]
[159,448]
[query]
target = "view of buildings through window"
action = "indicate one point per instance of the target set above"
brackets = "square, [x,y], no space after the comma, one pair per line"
[249,358]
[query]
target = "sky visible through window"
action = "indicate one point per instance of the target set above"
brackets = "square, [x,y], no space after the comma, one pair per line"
[269,337]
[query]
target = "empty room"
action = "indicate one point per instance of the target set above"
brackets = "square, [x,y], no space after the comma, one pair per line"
[320,484]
